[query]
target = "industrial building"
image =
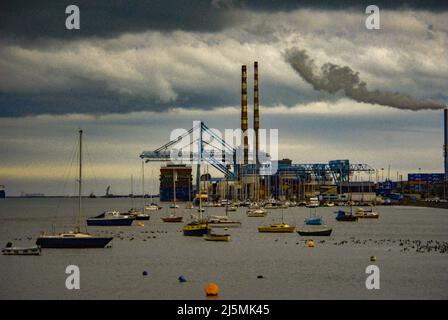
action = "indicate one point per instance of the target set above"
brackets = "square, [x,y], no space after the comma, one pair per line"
[329,181]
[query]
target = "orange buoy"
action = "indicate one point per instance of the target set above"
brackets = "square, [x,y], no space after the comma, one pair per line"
[211,289]
[310,243]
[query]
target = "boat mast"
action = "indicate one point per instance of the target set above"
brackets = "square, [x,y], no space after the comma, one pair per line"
[132,190]
[143,184]
[152,185]
[174,188]
[80,181]
[200,197]
[227,193]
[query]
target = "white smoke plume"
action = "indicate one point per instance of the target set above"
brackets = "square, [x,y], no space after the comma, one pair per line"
[333,78]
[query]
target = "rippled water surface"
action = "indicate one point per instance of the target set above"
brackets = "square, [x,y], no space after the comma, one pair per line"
[334,268]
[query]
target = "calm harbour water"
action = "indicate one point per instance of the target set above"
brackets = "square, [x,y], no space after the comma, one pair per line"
[290,270]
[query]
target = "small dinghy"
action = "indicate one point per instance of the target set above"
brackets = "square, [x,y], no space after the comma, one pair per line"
[216,237]
[366,214]
[257,213]
[172,218]
[318,231]
[223,222]
[152,207]
[9,250]
[138,215]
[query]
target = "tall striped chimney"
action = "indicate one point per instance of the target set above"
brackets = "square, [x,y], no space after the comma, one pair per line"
[256,111]
[445,141]
[244,112]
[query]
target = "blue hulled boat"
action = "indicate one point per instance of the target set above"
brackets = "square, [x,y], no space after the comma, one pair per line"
[315,221]
[111,219]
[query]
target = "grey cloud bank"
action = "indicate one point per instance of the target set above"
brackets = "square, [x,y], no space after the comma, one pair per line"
[153,70]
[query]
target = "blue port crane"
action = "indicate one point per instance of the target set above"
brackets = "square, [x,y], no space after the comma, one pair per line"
[222,158]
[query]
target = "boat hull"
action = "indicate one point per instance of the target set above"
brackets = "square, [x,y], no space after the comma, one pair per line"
[324,232]
[276,230]
[256,215]
[225,225]
[32,251]
[347,218]
[172,219]
[313,221]
[110,222]
[73,243]
[146,218]
[196,230]
[369,216]
[214,237]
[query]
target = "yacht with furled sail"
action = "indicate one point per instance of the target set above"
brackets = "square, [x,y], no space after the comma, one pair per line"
[199,225]
[173,217]
[277,227]
[190,203]
[75,238]
[152,206]
[314,219]
[141,214]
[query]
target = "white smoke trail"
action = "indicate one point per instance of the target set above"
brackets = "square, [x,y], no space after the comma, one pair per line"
[333,78]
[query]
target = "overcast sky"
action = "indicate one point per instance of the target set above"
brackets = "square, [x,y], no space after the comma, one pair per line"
[137,70]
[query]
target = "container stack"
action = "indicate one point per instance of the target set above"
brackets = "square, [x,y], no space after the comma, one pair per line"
[183,177]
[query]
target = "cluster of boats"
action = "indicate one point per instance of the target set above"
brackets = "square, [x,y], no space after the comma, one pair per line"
[199,226]
[360,213]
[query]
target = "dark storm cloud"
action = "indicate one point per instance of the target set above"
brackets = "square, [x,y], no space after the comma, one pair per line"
[46,19]
[159,55]
[104,102]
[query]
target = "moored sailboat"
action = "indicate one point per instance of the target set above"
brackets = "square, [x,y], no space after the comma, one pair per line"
[199,226]
[277,227]
[75,238]
[111,219]
[173,217]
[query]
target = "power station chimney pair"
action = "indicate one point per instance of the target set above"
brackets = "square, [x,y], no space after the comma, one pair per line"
[244,120]
[445,142]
